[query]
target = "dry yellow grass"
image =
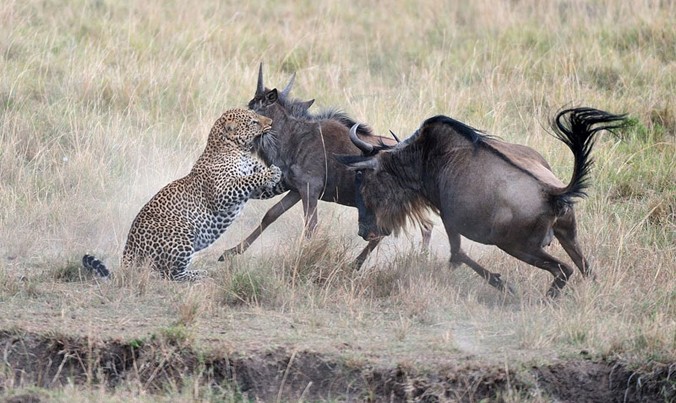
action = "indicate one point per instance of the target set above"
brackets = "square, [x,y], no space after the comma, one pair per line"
[104,102]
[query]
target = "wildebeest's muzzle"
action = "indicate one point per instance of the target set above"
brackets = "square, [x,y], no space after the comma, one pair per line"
[371,232]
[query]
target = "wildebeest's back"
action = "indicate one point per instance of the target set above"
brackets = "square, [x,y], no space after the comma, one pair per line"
[528,160]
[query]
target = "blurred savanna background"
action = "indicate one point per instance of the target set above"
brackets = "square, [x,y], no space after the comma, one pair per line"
[103,102]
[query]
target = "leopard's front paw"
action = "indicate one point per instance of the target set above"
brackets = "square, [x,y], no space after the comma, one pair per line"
[275,175]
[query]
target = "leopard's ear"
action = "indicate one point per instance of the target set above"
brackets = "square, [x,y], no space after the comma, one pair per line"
[230,127]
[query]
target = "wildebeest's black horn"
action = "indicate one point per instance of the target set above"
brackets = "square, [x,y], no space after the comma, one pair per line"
[260,88]
[287,89]
[365,147]
[395,136]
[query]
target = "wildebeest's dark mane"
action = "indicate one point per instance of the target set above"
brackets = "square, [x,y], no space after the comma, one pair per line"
[298,109]
[475,136]
[333,113]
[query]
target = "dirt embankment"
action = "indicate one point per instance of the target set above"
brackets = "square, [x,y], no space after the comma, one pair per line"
[52,360]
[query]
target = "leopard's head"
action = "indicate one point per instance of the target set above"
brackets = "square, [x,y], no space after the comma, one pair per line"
[239,126]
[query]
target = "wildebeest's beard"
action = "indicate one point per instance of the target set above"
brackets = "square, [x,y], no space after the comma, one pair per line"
[267,147]
[394,195]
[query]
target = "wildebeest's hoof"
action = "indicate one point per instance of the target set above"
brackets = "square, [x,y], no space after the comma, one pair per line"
[500,284]
[495,280]
[508,289]
[553,293]
[454,264]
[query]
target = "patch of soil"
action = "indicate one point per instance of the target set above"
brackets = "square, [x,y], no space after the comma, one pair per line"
[53,360]
[608,381]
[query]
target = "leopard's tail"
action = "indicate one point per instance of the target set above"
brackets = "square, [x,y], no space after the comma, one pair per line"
[95,266]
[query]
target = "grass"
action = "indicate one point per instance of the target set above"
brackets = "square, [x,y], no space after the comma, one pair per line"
[102,103]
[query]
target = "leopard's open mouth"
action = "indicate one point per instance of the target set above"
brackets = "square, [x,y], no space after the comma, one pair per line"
[267,128]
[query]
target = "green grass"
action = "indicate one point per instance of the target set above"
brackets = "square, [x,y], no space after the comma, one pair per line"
[103,102]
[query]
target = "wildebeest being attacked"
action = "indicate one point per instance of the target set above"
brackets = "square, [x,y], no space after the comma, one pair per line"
[302,145]
[487,190]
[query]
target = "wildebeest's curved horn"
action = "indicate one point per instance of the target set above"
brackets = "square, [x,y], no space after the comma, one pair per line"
[260,88]
[395,136]
[287,89]
[361,144]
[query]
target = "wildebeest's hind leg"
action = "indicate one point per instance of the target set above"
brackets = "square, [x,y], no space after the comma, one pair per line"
[540,258]
[565,231]
[273,214]
[458,257]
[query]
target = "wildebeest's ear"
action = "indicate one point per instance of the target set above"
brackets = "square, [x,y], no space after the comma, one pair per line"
[307,104]
[358,162]
[271,96]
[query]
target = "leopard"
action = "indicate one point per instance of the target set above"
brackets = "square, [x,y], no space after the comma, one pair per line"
[192,212]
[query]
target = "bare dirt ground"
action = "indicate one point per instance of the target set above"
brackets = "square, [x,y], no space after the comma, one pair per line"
[53,360]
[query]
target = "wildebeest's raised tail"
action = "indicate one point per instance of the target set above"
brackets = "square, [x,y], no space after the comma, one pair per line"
[95,266]
[577,128]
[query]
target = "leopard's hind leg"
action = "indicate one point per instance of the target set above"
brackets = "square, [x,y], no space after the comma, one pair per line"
[179,269]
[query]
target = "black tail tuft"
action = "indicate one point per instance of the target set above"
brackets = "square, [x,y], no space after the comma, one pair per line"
[577,128]
[95,266]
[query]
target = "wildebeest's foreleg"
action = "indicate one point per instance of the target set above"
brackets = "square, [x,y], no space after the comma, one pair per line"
[458,257]
[273,214]
[454,241]
[492,278]
[426,237]
[359,261]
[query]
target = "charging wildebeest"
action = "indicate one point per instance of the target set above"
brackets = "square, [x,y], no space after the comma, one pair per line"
[487,190]
[302,146]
